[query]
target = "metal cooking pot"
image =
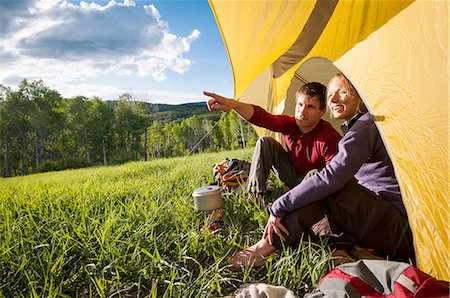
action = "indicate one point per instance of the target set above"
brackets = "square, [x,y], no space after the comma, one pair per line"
[208,198]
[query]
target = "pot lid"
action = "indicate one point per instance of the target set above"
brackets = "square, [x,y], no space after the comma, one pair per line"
[206,190]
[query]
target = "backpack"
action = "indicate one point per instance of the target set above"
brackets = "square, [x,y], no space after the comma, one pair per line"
[379,278]
[231,173]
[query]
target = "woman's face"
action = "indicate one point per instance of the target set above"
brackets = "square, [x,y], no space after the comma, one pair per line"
[341,103]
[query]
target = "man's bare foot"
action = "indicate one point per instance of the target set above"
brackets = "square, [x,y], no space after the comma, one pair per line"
[253,256]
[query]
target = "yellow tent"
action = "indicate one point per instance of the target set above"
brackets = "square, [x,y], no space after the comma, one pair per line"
[395,53]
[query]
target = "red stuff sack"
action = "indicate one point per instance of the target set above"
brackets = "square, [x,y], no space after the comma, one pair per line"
[379,278]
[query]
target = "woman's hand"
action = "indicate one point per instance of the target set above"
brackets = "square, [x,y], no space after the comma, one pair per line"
[274,225]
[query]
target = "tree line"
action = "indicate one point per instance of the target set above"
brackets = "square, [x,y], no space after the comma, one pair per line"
[42,131]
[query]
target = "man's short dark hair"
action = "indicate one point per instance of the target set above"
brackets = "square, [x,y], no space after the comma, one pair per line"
[314,89]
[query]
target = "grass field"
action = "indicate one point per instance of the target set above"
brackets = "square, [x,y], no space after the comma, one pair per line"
[132,231]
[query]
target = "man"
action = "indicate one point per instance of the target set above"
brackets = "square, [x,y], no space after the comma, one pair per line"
[311,142]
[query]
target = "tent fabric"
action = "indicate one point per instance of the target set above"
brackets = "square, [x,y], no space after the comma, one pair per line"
[311,32]
[395,53]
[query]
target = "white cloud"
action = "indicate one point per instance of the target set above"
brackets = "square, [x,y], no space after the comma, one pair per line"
[158,96]
[60,42]
[13,15]
[151,10]
[113,92]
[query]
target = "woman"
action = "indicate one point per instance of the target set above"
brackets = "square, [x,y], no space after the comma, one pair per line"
[355,199]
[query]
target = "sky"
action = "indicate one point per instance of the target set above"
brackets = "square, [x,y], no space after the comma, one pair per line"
[159,51]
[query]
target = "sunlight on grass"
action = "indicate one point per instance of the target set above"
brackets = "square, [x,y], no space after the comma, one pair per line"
[132,230]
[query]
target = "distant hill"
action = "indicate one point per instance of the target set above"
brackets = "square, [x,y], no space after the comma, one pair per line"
[168,112]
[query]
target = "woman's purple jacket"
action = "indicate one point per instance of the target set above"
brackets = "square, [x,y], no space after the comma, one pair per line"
[361,156]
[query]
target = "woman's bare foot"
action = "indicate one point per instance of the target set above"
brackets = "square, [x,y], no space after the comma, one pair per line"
[253,256]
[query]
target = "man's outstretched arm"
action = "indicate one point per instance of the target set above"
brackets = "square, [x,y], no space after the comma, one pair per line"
[218,102]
